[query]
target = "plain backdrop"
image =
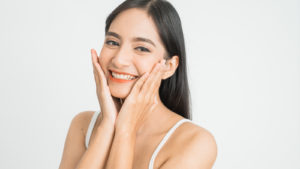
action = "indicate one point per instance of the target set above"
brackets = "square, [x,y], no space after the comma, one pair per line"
[243,68]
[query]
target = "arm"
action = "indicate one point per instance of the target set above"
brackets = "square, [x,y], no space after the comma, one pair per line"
[96,155]
[74,143]
[75,154]
[97,152]
[122,151]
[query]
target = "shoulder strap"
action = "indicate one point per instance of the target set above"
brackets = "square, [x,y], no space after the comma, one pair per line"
[90,129]
[164,140]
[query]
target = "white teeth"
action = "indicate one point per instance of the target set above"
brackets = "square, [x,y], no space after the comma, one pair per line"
[121,76]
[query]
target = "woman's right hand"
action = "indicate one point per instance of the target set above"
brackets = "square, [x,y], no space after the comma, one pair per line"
[109,104]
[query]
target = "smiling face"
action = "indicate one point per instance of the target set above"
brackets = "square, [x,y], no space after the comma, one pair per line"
[132,46]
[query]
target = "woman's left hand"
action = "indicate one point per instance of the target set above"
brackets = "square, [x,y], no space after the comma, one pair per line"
[142,99]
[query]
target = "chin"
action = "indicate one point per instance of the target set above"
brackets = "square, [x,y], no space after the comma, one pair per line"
[119,93]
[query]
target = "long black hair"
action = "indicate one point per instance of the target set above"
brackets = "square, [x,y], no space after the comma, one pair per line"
[174,91]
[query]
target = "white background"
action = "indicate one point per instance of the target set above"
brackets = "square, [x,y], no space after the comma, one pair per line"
[243,64]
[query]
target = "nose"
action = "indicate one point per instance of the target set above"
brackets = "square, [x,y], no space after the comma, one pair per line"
[121,58]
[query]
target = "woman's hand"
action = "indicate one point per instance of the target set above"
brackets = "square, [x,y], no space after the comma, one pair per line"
[142,99]
[109,105]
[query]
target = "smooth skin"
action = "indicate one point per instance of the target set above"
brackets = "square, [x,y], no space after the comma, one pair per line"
[125,136]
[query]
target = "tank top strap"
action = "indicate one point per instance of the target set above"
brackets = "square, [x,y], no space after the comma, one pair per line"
[164,140]
[90,129]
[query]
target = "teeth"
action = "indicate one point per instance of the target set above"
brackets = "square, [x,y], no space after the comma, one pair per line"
[121,76]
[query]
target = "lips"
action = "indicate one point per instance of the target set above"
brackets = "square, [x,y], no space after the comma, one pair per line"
[123,73]
[121,77]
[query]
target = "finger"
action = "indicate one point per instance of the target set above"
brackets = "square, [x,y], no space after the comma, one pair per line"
[96,63]
[101,77]
[152,76]
[96,77]
[154,84]
[157,79]
[94,60]
[139,83]
[95,72]
[154,104]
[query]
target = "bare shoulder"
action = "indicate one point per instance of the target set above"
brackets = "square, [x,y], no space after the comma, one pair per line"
[192,147]
[82,120]
[74,146]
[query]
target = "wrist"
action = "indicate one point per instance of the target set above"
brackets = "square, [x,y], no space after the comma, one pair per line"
[108,119]
[107,122]
[127,131]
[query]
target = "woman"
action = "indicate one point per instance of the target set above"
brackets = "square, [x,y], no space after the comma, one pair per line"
[143,93]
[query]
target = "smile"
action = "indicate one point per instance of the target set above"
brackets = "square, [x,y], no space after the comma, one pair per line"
[121,78]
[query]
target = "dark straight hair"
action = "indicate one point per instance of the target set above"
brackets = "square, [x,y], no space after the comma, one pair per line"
[174,91]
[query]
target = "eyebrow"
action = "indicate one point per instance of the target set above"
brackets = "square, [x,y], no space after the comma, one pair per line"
[136,39]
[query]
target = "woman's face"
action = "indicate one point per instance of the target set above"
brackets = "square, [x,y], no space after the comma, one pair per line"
[132,46]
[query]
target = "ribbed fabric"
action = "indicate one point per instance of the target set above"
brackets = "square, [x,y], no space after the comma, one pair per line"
[161,144]
[164,140]
[90,129]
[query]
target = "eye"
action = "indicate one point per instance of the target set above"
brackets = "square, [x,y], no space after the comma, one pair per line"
[110,42]
[142,49]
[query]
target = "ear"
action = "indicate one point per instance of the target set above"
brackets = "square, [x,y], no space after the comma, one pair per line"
[170,67]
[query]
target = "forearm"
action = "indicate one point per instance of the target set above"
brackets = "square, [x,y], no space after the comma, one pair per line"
[122,151]
[97,153]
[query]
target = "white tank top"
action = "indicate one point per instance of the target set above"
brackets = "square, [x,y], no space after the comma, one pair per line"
[163,141]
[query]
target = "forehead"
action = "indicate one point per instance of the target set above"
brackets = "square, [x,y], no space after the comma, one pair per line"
[135,23]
